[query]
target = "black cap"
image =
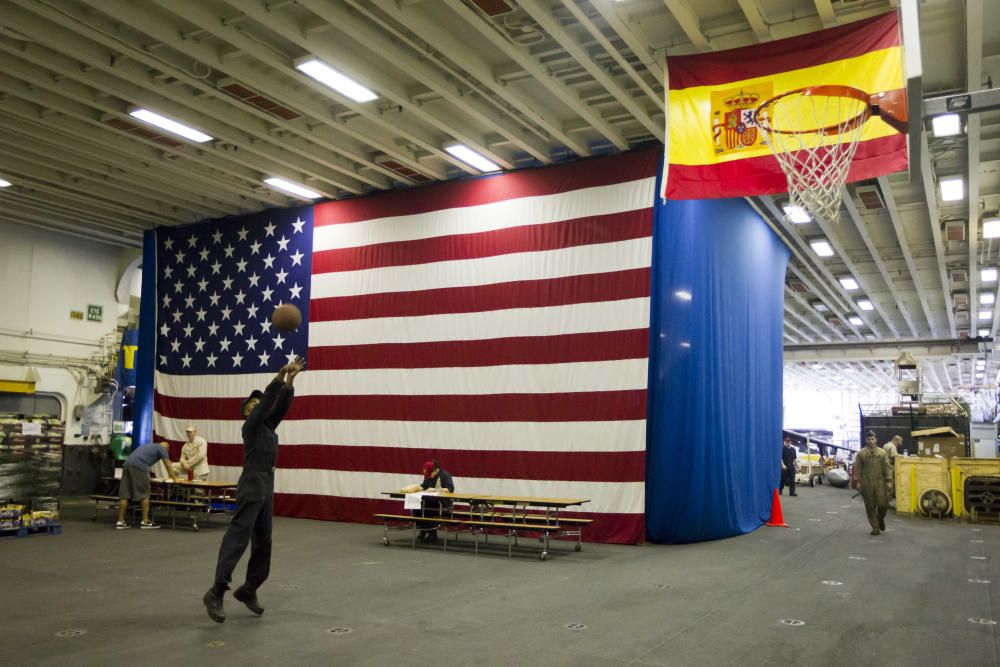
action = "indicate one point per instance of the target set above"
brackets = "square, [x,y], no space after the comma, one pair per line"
[256,393]
[870,434]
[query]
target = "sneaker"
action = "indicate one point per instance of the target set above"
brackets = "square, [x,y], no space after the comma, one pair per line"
[149,525]
[121,525]
[213,605]
[248,597]
[881,524]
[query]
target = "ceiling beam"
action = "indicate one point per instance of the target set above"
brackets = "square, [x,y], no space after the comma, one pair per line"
[974,81]
[689,23]
[810,309]
[53,226]
[751,9]
[826,14]
[887,350]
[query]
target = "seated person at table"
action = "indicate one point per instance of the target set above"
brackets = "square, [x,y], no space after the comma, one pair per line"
[194,457]
[135,480]
[434,478]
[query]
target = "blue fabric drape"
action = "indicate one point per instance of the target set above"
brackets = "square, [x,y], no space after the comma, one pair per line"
[142,409]
[715,393]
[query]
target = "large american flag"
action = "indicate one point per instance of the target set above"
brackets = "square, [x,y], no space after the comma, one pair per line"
[499,325]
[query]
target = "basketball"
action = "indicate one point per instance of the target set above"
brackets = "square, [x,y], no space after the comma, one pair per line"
[286,317]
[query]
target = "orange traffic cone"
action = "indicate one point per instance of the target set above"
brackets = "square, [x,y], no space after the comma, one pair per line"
[776,517]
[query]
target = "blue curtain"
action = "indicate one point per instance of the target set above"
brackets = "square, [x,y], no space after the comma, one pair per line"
[142,409]
[714,421]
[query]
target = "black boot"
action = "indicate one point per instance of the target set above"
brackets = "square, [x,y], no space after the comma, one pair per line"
[248,596]
[213,605]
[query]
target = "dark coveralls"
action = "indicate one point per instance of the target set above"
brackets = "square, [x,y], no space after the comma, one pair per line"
[435,506]
[255,491]
[788,455]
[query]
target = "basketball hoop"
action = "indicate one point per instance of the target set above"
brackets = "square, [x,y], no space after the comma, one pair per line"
[828,121]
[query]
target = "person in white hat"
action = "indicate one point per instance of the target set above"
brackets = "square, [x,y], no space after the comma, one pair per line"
[194,456]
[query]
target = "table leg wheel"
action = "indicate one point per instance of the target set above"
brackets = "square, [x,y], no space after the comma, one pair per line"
[544,555]
[577,547]
[385,541]
[196,529]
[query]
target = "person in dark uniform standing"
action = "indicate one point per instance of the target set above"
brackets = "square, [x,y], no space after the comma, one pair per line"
[788,463]
[262,412]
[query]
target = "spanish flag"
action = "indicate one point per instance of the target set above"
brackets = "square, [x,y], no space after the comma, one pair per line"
[713,145]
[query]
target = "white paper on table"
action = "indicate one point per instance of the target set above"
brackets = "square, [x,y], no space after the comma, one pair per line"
[31,428]
[413,501]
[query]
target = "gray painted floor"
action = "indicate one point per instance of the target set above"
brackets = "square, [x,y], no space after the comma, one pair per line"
[905,598]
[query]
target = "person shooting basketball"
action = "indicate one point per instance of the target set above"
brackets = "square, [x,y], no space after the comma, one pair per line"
[262,412]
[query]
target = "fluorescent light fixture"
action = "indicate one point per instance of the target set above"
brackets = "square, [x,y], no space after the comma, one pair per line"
[987,298]
[985,315]
[988,275]
[683,295]
[848,283]
[865,304]
[796,214]
[980,363]
[172,126]
[821,247]
[820,306]
[472,158]
[952,189]
[331,78]
[292,188]
[991,228]
[984,333]
[855,320]
[947,125]
[5,184]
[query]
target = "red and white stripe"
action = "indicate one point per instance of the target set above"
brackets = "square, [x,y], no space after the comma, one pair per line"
[499,325]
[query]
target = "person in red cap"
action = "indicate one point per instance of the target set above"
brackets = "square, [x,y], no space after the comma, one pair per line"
[434,478]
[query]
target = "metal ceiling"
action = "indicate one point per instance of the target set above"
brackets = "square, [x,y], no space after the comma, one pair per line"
[537,84]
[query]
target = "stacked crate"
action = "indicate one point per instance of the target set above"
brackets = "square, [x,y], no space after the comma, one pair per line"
[30,471]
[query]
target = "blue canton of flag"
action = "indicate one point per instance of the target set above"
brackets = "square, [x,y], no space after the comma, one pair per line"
[218,283]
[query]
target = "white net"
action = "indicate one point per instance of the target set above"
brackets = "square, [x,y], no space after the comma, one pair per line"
[814,137]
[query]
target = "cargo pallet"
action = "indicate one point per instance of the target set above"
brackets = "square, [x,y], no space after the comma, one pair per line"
[27,531]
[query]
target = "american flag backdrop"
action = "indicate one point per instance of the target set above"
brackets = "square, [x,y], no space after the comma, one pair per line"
[499,325]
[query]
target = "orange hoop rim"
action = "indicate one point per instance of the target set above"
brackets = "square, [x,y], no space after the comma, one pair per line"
[828,91]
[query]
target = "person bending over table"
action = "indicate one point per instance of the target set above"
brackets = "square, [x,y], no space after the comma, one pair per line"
[262,412]
[194,457]
[135,480]
[434,478]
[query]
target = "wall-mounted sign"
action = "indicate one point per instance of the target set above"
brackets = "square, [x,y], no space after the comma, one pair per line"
[94,313]
[76,314]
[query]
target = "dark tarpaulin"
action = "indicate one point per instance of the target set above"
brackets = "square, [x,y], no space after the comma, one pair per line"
[715,387]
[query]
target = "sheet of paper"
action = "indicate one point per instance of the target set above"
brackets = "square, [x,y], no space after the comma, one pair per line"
[413,501]
[31,428]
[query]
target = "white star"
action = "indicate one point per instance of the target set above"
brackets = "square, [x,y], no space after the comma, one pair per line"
[168,272]
[278,342]
[251,343]
[211,360]
[267,293]
[168,244]
[187,361]
[297,258]
[269,261]
[255,247]
[178,287]
[214,298]
[204,254]
[238,328]
[192,241]
[191,270]
[212,328]
[269,230]
[180,256]
[241,265]
[229,249]
[252,311]
[265,326]
[283,243]
[215,268]
[295,289]
[201,314]
[199,345]
[243,234]
[226,312]
[265,357]
[240,296]
[227,283]
[224,346]
[175,345]
[237,358]
[187,331]
[189,302]
[254,279]
[291,356]
[202,285]
[163,360]
[217,236]
[177,316]
[298,225]
[281,275]
[166,300]
[165,330]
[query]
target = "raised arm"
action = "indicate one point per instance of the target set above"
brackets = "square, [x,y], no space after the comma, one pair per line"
[287,393]
[263,407]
